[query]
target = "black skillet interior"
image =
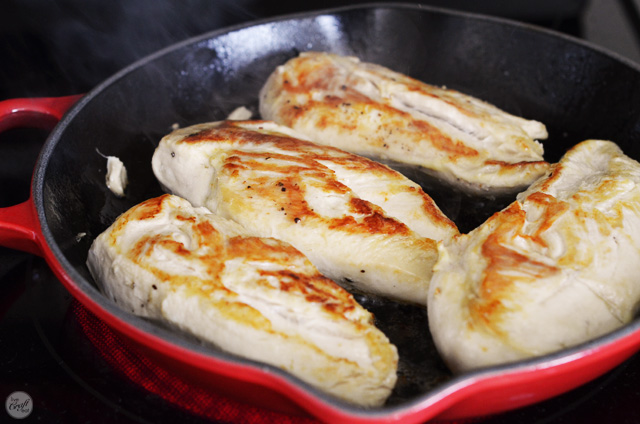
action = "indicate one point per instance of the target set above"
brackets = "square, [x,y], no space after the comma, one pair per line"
[576,90]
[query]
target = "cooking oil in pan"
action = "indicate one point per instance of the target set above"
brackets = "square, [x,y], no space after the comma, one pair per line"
[420,368]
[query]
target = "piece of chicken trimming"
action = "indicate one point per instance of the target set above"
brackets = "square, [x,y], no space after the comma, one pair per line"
[373,111]
[556,268]
[259,298]
[361,223]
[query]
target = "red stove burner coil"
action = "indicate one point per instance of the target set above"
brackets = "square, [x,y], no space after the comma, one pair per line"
[154,378]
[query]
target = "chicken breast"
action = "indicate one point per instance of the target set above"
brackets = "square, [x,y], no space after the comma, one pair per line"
[361,223]
[372,111]
[556,268]
[259,298]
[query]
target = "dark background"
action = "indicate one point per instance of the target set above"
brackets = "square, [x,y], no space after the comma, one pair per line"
[50,47]
[62,47]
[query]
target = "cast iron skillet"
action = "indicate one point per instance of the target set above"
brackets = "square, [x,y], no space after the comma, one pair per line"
[577,90]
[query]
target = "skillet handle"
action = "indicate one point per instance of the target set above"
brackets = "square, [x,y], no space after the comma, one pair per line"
[19,226]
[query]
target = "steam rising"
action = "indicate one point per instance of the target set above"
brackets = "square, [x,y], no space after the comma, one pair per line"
[69,46]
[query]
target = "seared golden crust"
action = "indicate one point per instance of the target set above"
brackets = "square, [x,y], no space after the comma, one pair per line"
[256,297]
[556,268]
[345,110]
[370,110]
[359,221]
[220,249]
[487,310]
[303,156]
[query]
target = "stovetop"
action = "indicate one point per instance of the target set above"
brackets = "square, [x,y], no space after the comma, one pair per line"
[45,350]
[47,353]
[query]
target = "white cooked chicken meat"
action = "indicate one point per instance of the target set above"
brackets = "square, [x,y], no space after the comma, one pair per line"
[556,268]
[361,223]
[373,111]
[259,298]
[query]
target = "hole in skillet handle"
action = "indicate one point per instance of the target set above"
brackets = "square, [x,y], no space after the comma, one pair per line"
[19,150]
[18,226]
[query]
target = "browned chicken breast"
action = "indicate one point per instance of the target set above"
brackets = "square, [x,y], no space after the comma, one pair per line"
[373,111]
[358,221]
[259,298]
[556,268]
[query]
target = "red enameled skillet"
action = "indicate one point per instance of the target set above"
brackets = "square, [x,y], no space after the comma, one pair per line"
[579,91]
